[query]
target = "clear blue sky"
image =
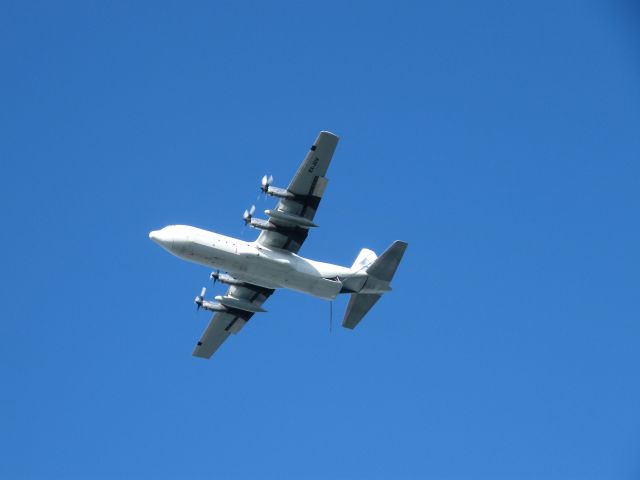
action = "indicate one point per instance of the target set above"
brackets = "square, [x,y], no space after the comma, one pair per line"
[501,140]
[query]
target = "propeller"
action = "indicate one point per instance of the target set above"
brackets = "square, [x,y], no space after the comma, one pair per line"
[200,298]
[266,183]
[248,214]
[214,276]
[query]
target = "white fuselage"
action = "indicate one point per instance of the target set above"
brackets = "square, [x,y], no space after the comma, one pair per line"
[252,262]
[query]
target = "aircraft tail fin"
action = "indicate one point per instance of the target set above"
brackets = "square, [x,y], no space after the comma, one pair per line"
[365,258]
[379,274]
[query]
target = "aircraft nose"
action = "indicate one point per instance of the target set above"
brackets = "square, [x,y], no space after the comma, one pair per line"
[161,238]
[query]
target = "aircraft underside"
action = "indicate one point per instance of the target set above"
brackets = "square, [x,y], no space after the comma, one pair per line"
[272,270]
[255,269]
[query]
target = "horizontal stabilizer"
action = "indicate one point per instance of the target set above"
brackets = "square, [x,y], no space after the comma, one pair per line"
[359,305]
[385,266]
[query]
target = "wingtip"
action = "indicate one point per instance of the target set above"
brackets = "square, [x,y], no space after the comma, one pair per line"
[331,134]
[197,354]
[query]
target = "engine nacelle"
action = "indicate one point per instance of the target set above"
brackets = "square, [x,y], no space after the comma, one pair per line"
[211,306]
[278,192]
[261,224]
[227,279]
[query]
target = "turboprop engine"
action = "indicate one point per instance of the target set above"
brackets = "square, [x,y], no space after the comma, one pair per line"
[225,278]
[248,218]
[206,304]
[265,186]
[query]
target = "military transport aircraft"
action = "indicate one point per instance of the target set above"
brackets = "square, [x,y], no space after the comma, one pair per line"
[255,269]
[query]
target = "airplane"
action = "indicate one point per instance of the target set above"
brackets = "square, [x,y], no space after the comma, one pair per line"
[254,270]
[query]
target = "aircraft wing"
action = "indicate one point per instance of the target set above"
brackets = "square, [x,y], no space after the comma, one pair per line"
[307,186]
[224,324]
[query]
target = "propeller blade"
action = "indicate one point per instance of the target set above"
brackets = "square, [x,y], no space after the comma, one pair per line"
[266,183]
[248,214]
[200,298]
